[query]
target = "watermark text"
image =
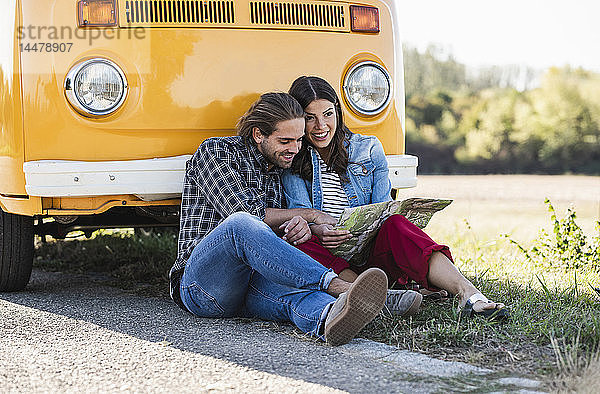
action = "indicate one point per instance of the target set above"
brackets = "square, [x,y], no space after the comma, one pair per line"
[69,33]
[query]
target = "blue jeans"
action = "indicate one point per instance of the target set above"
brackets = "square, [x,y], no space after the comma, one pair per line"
[242,268]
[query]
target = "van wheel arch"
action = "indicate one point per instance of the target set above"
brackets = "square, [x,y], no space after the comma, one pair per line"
[16,251]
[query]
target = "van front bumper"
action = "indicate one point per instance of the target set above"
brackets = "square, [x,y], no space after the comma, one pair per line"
[403,170]
[149,179]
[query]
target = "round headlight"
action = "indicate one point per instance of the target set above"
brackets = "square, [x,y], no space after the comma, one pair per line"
[368,88]
[96,87]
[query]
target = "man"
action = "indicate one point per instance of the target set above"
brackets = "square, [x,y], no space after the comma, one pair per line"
[235,253]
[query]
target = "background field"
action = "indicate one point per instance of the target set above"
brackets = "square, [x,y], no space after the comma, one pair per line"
[507,204]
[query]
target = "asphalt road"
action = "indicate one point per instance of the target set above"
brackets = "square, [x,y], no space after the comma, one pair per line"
[69,333]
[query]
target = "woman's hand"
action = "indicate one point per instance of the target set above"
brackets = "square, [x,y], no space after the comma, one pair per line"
[296,230]
[329,237]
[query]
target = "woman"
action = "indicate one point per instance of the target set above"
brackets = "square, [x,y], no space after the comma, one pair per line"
[336,169]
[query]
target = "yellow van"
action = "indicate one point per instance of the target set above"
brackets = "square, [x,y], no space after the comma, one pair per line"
[103,101]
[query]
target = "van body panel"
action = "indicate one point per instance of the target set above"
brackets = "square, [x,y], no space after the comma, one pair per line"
[29,206]
[186,82]
[12,180]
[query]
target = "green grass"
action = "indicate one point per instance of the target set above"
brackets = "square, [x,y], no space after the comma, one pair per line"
[541,310]
[555,312]
[554,328]
[137,263]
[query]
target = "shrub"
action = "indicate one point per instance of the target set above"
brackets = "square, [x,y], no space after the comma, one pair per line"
[567,248]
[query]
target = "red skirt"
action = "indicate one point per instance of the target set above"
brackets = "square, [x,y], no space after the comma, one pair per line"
[401,250]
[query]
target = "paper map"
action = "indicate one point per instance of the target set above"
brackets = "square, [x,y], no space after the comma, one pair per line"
[364,222]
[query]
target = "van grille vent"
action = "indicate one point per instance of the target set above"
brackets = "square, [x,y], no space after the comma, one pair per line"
[179,11]
[297,14]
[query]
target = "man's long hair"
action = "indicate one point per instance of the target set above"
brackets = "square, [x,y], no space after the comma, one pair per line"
[306,90]
[266,112]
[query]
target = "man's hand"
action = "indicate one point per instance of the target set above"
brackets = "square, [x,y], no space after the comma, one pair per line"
[320,217]
[329,237]
[296,230]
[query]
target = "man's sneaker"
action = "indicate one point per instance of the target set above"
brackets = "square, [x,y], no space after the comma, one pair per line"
[403,302]
[355,308]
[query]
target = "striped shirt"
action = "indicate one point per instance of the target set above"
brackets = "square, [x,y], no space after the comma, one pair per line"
[334,196]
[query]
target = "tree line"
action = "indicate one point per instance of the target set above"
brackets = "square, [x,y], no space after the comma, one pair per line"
[506,119]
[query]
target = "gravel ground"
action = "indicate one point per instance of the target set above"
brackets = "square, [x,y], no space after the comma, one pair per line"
[70,333]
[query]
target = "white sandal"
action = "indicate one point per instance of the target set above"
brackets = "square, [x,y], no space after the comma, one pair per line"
[497,313]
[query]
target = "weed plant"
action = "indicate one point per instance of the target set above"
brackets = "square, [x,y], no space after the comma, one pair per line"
[568,248]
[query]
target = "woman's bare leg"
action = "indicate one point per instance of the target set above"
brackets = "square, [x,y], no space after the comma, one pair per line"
[444,275]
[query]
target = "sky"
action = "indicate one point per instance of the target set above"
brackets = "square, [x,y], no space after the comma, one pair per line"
[534,33]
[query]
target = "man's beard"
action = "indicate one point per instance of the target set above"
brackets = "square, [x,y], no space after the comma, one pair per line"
[273,157]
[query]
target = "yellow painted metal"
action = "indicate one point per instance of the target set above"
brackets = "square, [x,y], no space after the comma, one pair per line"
[185,85]
[21,206]
[12,180]
[31,206]
[96,205]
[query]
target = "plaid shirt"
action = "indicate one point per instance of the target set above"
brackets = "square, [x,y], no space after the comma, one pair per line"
[224,176]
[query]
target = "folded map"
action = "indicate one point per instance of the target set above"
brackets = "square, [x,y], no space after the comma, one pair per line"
[364,222]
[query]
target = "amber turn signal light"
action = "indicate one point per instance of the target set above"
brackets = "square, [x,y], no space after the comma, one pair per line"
[364,19]
[97,12]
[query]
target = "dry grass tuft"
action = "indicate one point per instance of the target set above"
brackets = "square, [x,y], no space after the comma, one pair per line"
[583,380]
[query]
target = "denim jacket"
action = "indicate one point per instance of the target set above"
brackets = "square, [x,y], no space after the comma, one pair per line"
[367,171]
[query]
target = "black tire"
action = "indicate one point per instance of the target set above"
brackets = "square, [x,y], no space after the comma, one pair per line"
[16,251]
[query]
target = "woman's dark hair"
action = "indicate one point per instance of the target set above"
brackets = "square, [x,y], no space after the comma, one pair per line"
[306,90]
[266,112]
